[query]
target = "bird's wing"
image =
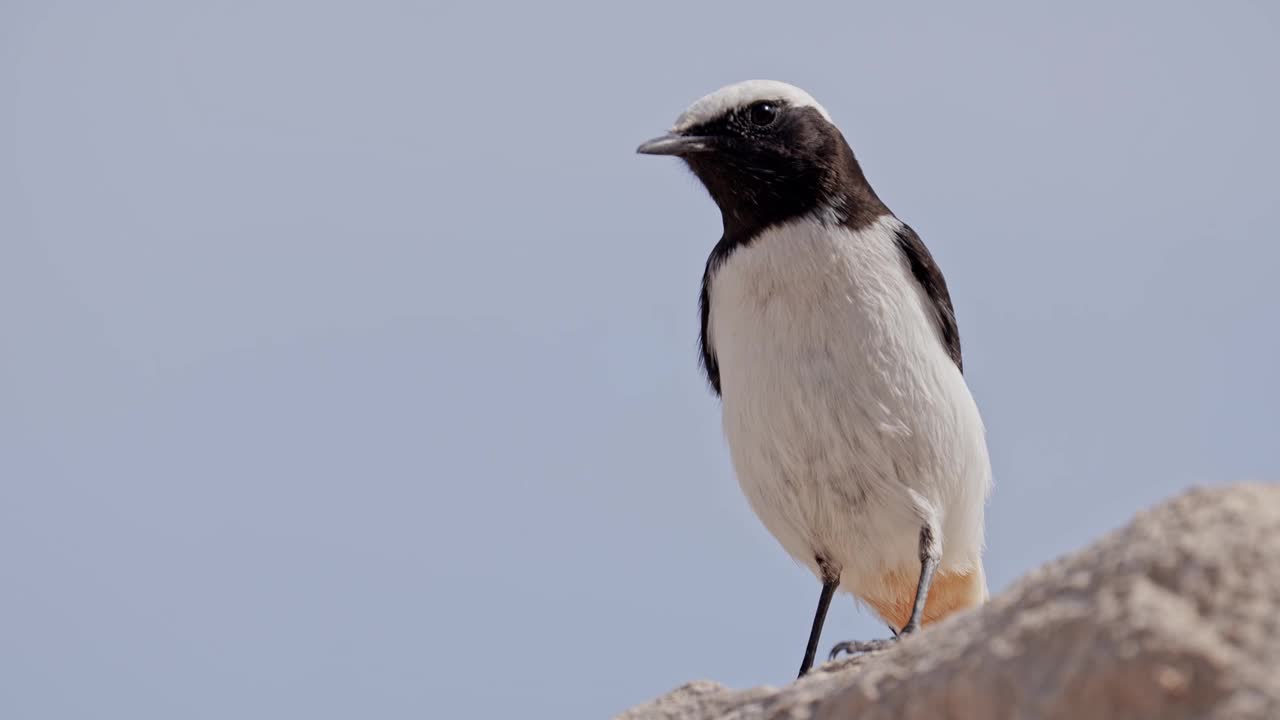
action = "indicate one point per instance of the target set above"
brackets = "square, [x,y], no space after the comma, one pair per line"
[709,363]
[929,276]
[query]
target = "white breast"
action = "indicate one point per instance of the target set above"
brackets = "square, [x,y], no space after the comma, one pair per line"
[847,421]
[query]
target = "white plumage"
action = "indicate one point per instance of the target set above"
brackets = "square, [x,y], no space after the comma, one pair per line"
[849,425]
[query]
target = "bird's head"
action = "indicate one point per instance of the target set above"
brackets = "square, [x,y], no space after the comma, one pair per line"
[766,151]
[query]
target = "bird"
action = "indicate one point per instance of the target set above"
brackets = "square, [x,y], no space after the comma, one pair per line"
[829,335]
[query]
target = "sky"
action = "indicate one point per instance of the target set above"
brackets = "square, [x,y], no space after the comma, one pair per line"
[348,352]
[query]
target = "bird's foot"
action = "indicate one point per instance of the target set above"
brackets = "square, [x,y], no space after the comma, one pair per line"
[861,647]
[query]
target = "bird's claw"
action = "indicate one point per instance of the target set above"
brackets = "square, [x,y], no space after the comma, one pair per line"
[857,647]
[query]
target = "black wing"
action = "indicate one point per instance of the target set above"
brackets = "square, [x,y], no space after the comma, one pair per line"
[709,364]
[929,276]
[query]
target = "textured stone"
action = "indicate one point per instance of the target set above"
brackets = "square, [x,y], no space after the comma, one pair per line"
[1175,616]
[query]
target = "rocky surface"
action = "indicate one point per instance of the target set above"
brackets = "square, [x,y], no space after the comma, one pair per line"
[1175,616]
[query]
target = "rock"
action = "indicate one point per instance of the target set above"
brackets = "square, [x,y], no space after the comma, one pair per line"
[1175,616]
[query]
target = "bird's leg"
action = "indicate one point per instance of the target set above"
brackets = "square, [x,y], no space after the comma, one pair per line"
[930,555]
[830,581]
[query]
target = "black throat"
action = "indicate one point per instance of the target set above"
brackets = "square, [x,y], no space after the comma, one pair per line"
[809,170]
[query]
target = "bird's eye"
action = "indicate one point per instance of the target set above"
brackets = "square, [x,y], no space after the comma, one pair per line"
[763,113]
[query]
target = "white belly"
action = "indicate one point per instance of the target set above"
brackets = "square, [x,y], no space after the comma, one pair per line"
[848,423]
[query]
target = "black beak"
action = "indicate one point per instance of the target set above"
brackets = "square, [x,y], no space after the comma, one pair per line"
[675,144]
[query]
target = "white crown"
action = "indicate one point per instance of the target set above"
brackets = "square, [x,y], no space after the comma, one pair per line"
[740,95]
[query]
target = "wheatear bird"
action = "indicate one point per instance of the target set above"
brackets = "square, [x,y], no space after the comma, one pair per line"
[828,333]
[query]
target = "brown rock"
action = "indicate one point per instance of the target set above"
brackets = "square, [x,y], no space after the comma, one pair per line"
[1175,616]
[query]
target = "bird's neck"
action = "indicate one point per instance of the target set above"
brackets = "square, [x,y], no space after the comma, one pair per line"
[837,193]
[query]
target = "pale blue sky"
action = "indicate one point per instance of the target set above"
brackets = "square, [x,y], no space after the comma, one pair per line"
[348,363]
